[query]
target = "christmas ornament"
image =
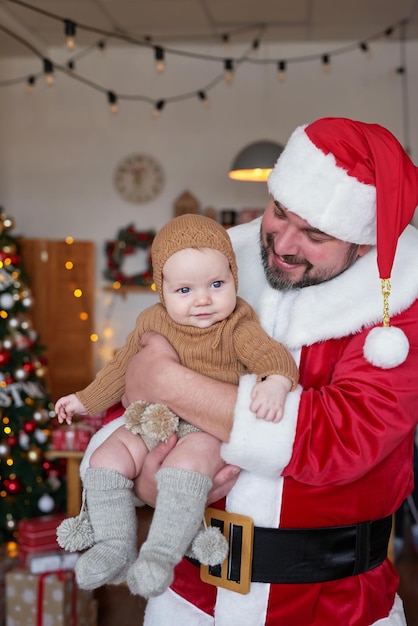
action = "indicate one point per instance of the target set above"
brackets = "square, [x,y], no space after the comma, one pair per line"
[24,440]
[41,416]
[46,503]
[8,343]
[4,358]
[41,436]
[4,450]
[20,374]
[6,300]
[12,486]
[27,302]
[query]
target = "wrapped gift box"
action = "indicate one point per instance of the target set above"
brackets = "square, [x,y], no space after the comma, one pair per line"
[73,437]
[8,560]
[49,599]
[41,562]
[38,534]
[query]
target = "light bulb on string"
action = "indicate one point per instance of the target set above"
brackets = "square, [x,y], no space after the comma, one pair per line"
[281,70]
[70,29]
[203,98]
[365,48]
[113,102]
[255,45]
[326,63]
[30,83]
[229,70]
[159,105]
[71,66]
[102,46]
[49,72]
[159,59]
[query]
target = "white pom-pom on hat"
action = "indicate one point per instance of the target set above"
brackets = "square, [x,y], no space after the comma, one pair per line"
[386,347]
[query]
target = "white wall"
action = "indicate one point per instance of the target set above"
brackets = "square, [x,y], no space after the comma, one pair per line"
[59,146]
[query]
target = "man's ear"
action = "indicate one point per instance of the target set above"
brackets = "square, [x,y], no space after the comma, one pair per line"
[363,249]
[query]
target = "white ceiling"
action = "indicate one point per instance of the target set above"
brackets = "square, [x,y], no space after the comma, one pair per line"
[40,23]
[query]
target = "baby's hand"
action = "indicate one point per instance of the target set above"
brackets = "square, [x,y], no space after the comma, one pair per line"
[66,406]
[268,397]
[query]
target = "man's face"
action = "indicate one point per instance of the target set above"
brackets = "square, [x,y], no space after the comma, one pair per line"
[295,254]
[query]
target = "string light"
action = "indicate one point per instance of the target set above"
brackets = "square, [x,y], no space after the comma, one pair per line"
[281,70]
[326,63]
[70,29]
[256,44]
[113,102]
[203,98]
[364,47]
[49,72]
[229,70]
[102,46]
[30,83]
[71,66]
[159,105]
[145,40]
[159,59]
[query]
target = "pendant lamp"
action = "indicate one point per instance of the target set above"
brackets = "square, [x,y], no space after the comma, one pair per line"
[255,161]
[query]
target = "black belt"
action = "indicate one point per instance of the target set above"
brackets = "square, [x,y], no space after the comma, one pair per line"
[313,555]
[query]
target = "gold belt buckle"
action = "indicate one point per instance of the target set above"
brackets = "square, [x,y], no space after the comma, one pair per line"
[235,572]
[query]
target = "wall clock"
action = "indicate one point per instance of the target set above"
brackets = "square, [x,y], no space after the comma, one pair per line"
[139,178]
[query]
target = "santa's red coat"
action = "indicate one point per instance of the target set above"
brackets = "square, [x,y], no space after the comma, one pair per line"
[341,455]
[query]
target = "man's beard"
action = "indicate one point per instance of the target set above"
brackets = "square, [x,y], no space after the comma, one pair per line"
[278,278]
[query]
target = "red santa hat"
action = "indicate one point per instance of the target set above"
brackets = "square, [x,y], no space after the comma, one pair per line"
[355,182]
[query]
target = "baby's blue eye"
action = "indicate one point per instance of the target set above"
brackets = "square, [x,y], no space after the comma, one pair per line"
[184,289]
[217,284]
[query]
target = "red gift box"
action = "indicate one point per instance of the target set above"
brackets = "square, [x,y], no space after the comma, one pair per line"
[38,534]
[73,437]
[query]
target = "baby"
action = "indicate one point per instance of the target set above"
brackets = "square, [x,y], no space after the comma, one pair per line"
[215,333]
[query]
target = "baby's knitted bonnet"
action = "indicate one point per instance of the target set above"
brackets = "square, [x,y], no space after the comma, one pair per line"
[189,231]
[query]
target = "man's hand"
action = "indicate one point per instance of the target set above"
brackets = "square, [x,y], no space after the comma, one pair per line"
[148,367]
[146,487]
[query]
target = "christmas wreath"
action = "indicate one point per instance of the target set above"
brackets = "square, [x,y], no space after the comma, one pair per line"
[128,242]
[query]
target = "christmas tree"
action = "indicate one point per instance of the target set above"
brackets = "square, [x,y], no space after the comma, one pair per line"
[30,484]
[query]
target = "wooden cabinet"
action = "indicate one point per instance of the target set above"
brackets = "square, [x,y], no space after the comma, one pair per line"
[63,321]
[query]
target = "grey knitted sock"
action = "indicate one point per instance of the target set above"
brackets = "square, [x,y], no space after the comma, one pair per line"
[110,504]
[177,517]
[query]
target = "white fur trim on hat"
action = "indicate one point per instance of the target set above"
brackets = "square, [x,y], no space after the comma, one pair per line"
[309,182]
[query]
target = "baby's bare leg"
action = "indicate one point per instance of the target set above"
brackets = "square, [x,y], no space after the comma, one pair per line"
[183,485]
[197,452]
[108,487]
[123,452]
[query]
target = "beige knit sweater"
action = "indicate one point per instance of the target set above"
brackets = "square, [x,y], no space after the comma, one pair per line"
[224,351]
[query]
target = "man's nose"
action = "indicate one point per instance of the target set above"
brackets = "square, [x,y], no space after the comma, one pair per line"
[286,241]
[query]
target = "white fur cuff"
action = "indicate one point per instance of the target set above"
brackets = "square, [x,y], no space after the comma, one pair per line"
[256,445]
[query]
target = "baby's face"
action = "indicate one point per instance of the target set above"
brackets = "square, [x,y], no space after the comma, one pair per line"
[198,287]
